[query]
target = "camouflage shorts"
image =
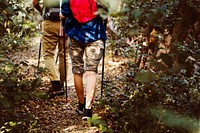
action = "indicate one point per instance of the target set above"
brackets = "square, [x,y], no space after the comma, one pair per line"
[85,57]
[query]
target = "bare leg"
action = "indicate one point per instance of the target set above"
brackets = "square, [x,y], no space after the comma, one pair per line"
[78,81]
[91,78]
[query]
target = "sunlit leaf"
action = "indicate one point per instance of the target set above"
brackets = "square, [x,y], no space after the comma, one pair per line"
[41,95]
[145,77]
[9,67]
[12,124]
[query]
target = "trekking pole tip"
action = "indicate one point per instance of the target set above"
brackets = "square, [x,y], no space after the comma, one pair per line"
[66,101]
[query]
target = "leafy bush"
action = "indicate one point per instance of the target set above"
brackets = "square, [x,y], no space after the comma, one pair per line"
[18,85]
[16,23]
[18,81]
[163,103]
[154,91]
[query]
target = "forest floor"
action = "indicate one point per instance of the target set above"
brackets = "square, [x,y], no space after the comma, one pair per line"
[53,115]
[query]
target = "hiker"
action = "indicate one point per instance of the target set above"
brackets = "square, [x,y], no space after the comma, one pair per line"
[84,38]
[52,37]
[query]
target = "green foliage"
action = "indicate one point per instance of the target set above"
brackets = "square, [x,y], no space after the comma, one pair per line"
[145,76]
[101,124]
[16,23]
[163,95]
[20,126]
[131,105]
[18,85]
[18,81]
[171,119]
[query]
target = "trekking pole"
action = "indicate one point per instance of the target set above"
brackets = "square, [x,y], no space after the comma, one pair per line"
[104,45]
[62,33]
[39,53]
[102,77]
[57,56]
[65,81]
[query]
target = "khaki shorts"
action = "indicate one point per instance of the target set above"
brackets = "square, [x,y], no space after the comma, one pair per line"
[92,52]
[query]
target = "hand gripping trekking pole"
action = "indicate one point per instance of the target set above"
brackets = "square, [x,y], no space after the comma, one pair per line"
[62,33]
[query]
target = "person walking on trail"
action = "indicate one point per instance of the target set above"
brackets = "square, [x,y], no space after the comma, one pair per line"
[84,38]
[51,37]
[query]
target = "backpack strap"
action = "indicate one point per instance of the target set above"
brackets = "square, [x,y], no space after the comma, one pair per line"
[51,10]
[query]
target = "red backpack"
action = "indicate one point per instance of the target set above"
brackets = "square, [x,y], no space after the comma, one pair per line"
[83,10]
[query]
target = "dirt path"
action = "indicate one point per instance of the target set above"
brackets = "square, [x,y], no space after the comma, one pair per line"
[53,115]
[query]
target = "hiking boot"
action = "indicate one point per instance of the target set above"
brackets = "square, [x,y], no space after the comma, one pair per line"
[87,114]
[80,108]
[56,89]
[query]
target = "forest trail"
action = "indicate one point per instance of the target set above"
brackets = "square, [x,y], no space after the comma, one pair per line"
[52,114]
